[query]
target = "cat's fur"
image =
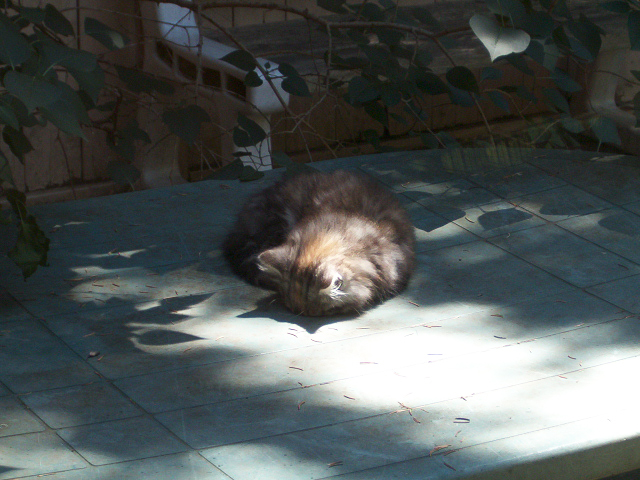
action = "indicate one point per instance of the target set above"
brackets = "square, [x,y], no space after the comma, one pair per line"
[328,243]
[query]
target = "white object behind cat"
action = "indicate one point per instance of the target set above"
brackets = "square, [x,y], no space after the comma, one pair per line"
[183,53]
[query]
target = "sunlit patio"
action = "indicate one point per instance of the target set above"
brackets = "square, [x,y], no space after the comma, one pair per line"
[513,354]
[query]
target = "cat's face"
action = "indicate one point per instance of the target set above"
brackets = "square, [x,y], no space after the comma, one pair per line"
[326,286]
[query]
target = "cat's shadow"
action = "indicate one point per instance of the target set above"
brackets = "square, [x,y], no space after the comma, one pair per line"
[271,307]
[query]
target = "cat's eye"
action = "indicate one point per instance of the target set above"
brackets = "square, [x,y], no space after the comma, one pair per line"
[337,283]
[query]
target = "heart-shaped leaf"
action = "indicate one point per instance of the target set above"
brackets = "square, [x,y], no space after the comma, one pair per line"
[107,36]
[186,122]
[14,48]
[498,40]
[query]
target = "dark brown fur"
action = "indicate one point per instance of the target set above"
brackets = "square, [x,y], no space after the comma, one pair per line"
[326,242]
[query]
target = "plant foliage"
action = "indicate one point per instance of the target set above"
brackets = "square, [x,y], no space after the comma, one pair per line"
[390,78]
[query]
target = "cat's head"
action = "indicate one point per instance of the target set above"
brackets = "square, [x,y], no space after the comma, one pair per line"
[317,284]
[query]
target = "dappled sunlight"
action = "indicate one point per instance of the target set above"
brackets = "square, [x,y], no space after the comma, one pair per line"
[510,336]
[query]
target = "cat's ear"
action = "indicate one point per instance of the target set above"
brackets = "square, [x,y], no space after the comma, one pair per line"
[273,262]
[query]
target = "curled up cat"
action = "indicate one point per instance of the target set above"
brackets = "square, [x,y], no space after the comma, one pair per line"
[327,243]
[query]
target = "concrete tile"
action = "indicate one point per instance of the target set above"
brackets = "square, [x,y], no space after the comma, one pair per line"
[497,219]
[451,199]
[121,440]
[10,310]
[616,230]
[459,275]
[592,450]
[384,384]
[93,288]
[561,203]
[408,174]
[566,256]
[180,466]
[36,454]
[435,232]
[73,406]
[15,419]
[616,184]
[32,359]
[173,333]
[386,439]
[414,209]
[623,293]
[3,390]
[516,181]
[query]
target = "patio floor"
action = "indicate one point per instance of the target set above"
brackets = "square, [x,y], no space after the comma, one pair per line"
[513,354]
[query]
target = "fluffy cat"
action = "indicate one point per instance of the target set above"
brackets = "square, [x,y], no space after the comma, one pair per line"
[328,243]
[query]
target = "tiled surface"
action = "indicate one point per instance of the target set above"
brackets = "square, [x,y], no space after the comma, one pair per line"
[137,354]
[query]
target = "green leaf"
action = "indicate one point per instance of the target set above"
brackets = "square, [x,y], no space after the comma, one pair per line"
[588,34]
[14,48]
[288,70]
[423,15]
[499,99]
[564,82]
[616,6]
[335,6]
[523,92]
[67,112]
[7,115]
[56,21]
[376,54]
[186,122]
[491,73]
[247,133]
[513,9]
[633,25]
[361,91]
[463,78]
[34,92]
[389,36]
[123,173]
[139,82]
[17,141]
[377,112]
[556,99]
[371,12]
[241,59]
[32,245]
[572,125]
[498,40]
[536,24]
[461,97]
[520,63]
[281,159]
[33,15]
[5,170]
[606,131]
[431,84]
[123,142]
[91,83]
[107,36]
[296,86]
[71,58]
[423,58]
[390,96]
[252,79]
[231,171]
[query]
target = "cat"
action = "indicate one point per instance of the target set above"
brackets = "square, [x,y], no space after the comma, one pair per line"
[327,243]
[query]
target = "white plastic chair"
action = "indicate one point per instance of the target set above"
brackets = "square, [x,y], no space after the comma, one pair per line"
[174,47]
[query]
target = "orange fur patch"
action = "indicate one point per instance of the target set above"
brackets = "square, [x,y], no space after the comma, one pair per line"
[323,246]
